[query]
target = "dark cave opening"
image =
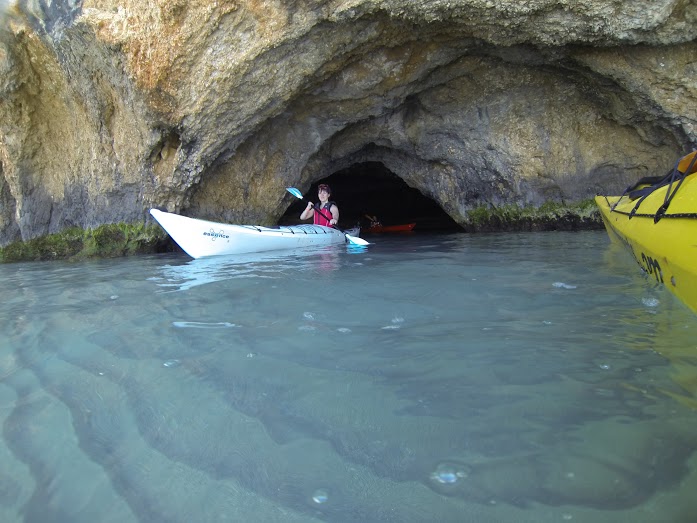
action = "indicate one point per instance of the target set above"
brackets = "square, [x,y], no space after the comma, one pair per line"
[371,188]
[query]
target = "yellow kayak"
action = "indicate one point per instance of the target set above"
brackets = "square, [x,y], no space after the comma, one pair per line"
[656,219]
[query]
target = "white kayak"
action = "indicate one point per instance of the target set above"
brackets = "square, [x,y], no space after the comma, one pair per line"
[199,238]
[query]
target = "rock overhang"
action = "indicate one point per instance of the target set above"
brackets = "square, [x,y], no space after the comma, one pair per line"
[214,110]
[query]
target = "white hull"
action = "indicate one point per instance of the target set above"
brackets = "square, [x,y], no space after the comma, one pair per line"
[199,238]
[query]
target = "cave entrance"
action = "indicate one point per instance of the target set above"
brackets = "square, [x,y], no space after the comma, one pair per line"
[371,188]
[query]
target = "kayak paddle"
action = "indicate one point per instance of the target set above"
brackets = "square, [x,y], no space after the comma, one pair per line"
[352,239]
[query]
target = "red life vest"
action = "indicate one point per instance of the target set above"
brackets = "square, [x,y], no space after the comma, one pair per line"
[321,220]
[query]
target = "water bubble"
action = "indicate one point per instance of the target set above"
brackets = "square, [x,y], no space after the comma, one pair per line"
[308,316]
[650,302]
[320,496]
[605,393]
[604,366]
[171,363]
[344,330]
[447,475]
[562,285]
[114,297]
[202,325]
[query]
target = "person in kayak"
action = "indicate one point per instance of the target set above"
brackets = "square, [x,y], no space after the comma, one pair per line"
[374,222]
[329,216]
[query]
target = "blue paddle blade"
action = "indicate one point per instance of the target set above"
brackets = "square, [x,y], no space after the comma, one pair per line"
[295,192]
[355,240]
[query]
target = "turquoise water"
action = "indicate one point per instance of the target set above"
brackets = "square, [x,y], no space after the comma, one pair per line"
[534,377]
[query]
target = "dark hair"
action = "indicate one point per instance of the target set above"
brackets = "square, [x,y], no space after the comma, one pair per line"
[325,187]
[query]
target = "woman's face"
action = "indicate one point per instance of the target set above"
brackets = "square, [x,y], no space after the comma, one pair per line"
[323,195]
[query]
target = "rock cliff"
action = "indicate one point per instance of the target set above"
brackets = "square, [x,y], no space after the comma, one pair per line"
[211,108]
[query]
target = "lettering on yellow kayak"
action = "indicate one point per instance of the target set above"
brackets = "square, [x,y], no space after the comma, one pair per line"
[652,266]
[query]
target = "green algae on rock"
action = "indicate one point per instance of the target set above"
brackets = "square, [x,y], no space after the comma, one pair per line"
[548,217]
[106,241]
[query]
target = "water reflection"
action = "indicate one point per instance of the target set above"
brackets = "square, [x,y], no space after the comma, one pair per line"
[270,264]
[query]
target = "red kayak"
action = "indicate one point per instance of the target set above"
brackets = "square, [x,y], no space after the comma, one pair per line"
[406,227]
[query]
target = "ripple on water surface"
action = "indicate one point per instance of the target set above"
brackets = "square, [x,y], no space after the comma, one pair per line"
[500,378]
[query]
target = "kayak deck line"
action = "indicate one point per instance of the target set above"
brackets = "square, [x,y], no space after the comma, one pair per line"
[643,215]
[294,229]
[668,185]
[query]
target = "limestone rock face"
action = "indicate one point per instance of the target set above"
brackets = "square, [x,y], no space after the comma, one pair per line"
[212,108]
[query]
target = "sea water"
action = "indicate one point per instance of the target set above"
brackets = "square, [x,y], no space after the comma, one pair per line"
[536,377]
